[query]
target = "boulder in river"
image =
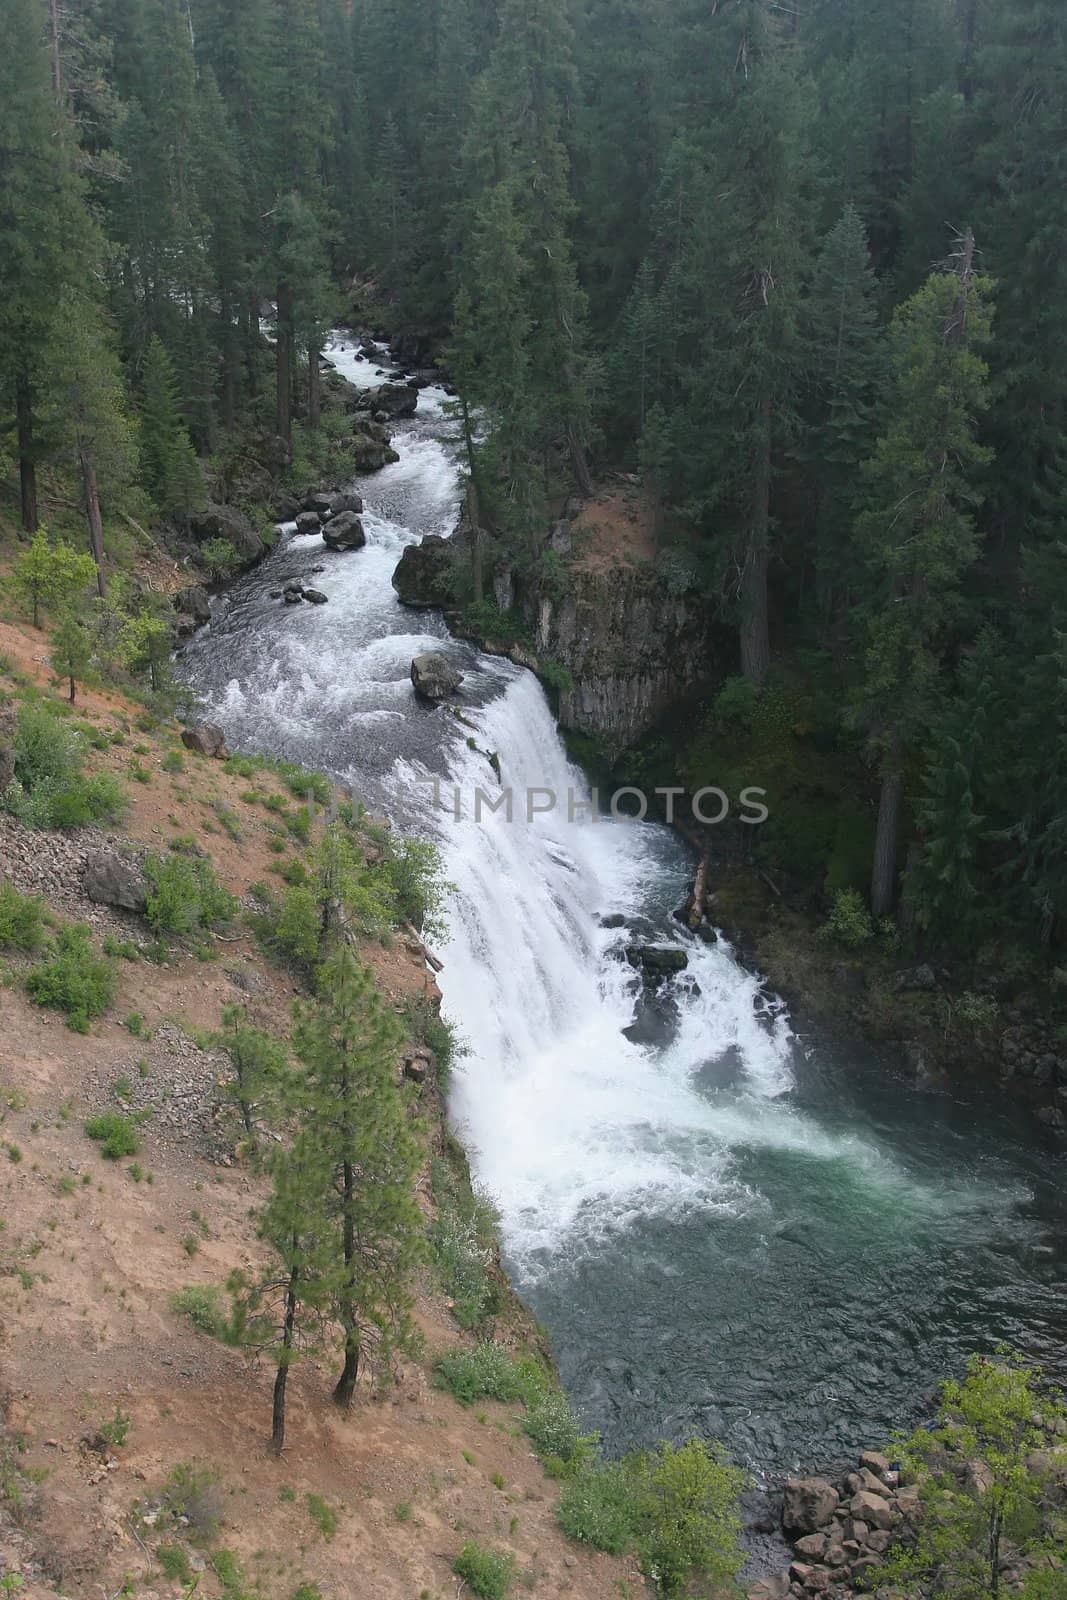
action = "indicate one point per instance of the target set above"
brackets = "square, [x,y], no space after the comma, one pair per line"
[344,532]
[193,606]
[657,962]
[347,500]
[319,503]
[394,399]
[423,577]
[110,880]
[226,522]
[315,597]
[434,676]
[308,522]
[207,739]
[293,594]
[371,449]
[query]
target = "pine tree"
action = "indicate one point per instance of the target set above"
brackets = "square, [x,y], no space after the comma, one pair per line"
[291,1300]
[354,1116]
[50,576]
[171,471]
[39,228]
[846,364]
[918,532]
[90,418]
[72,650]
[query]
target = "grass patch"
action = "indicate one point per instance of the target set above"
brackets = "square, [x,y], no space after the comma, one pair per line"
[51,788]
[322,1515]
[21,920]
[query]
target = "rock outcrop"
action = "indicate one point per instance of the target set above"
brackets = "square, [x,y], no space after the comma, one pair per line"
[423,578]
[227,522]
[110,879]
[207,739]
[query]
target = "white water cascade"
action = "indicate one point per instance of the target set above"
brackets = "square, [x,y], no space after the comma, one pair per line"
[674,1211]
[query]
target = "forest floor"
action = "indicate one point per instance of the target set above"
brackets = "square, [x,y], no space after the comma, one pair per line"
[377,1503]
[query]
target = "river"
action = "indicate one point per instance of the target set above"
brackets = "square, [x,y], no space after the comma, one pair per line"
[743,1233]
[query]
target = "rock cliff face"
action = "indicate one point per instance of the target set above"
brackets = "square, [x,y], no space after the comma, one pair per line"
[632,649]
[601,609]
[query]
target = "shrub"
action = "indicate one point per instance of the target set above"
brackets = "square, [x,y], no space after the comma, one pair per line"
[597,1507]
[50,789]
[487,1572]
[487,1372]
[219,557]
[202,1304]
[688,1521]
[21,920]
[555,1434]
[849,922]
[419,890]
[291,929]
[462,1238]
[115,1133]
[174,1563]
[185,896]
[192,1492]
[76,981]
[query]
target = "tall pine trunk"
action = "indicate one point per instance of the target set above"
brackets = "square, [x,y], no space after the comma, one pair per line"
[884,868]
[27,466]
[284,356]
[91,493]
[346,1383]
[314,388]
[755,620]
[281,1379]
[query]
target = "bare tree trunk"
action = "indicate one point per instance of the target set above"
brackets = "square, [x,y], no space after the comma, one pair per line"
[27,467]
[284,357]
[281,1379]
[92,512]
[580,465]
[474,508]
[884,869]
[755,622]
[57,70]
[314,388]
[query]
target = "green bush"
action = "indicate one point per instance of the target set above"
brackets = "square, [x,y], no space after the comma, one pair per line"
[597,1507]
[21,920]
[488,1372]
[849,922]
[50,788]
[555,1434]
[419,890]
[291,929]
[488,1573]
[218,556]
[688,1524]
[115,1133]
[76,981]
[463,1239]
[185,897]
[174,1563]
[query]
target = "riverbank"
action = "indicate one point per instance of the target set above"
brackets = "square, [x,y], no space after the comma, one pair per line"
[133,1444]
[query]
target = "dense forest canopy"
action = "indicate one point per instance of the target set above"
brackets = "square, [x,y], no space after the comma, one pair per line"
[801,263]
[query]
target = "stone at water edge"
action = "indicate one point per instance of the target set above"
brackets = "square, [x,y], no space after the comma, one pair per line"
[434,676]
[319,503]
[807,1504]
[308,522]
[423,575]
[315,597]
[227,522]
[207,739]
[346,501]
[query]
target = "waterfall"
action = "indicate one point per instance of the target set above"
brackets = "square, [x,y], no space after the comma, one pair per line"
[674,1211]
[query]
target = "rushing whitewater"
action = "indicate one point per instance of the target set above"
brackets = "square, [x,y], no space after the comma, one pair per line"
[735,1234]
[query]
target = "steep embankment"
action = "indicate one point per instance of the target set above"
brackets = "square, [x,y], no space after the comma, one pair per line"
[132,1446]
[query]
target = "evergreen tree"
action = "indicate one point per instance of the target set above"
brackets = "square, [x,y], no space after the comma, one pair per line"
[50,576]
[72,650]
[171,471]
[90,417]
[918,532]
[354,1116]
[846,370]
[39,230]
